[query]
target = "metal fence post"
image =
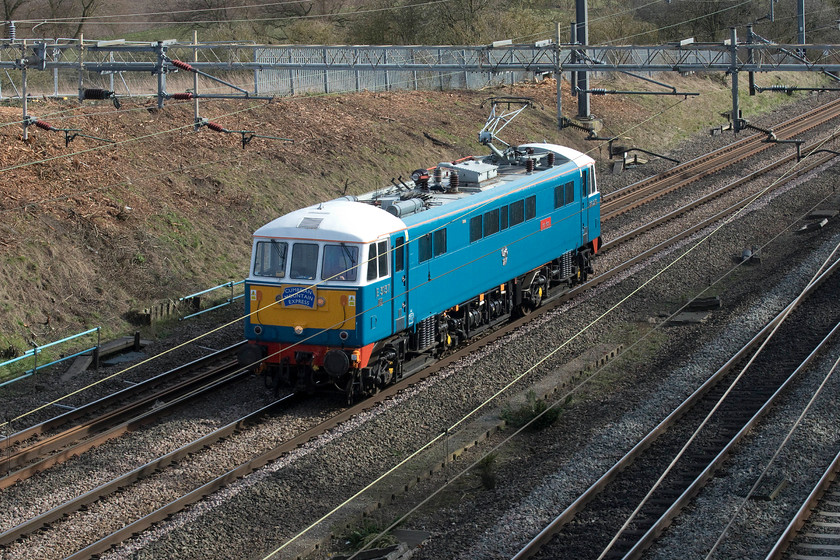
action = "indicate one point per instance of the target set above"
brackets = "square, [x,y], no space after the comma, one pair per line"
[387,74]
[440,72]
[358,79]
[81,66]
[25,102]
[35,355]
[256,72]
[56,55]
[326,74]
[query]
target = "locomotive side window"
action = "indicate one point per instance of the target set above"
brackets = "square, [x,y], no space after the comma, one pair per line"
[491,222]
[399,254]
[439,245]
[270,259]
[383,259]
[340,263]
[503,214]
[304,261]
[530,207]
[425,247]
[564,194]
[475,229]
[517,212]
[371,264]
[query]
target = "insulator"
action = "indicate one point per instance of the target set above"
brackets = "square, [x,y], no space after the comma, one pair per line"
[551,159]
[453,181]
[186,95]
[216,127]
[41,124]
[598,91]
[529,165]
[438,175]
[95,93]
[183,65]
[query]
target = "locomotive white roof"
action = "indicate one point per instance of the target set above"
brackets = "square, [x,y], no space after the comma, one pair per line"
[335,220]
[570,154]
[365,219]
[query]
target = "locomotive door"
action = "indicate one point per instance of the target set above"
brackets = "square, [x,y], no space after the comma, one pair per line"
[584,206]
[400,279]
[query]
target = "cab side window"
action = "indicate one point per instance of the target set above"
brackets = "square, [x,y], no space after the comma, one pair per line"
[377,265]
[383,259]
[372,272]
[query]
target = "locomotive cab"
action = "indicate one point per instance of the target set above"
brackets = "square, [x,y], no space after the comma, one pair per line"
[310,284]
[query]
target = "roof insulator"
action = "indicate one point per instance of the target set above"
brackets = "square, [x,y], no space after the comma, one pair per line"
[182,96]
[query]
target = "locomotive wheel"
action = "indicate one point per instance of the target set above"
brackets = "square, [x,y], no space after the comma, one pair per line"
[536,294]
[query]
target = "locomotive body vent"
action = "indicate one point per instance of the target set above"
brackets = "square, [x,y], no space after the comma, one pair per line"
[309,222]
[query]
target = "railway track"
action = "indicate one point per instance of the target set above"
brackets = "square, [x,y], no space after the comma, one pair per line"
[631,504]
[647,190]
[54,441]
[247,467]
[814,532]
[256,462]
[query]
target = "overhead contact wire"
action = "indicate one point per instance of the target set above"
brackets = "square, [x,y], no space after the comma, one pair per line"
[556,403]
[682,451]
[542,360]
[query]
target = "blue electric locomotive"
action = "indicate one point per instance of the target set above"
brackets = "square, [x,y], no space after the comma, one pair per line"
[357,292]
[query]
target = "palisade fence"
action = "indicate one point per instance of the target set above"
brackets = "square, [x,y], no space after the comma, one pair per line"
[64,67]
[294,81]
